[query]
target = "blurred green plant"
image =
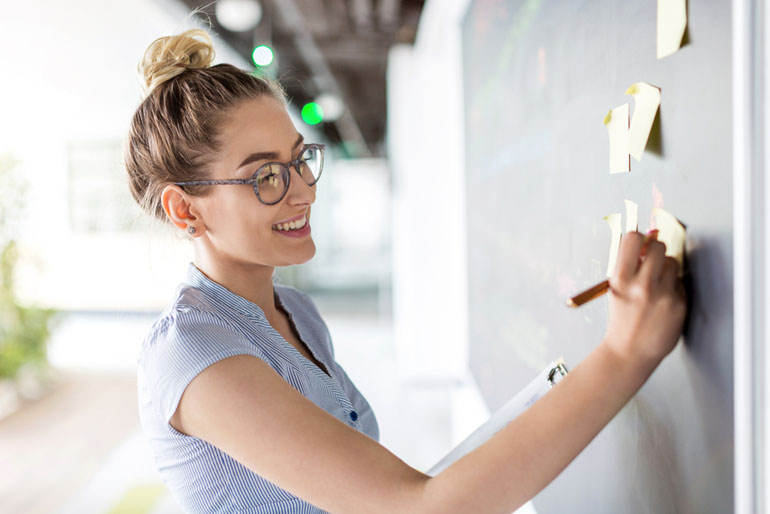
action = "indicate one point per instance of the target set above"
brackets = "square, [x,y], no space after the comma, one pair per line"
[24,331]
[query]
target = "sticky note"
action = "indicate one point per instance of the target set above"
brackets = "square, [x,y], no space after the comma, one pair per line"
[617,126]
[672,22]
[672,233]
[632,216]
[613,220]
[646,103]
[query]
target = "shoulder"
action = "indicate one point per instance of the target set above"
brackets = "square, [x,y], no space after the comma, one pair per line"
[190,309]
[193,326]
[189,336]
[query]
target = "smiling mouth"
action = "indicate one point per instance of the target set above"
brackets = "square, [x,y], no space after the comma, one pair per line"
[291,225]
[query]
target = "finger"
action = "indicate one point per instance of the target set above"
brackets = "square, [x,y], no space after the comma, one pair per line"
[628,256]
[652,265]
[682,291]
[651,235]
[669,273]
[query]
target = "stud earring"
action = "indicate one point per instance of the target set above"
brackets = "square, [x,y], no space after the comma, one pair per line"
[191,230]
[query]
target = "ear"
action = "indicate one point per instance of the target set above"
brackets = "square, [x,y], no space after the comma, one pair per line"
[179,208]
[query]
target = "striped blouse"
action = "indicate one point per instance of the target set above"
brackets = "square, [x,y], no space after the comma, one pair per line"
[205,323]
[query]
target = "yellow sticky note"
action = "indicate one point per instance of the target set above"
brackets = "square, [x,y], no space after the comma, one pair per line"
[671,232]
[617,126]
[613,220]
[632,216]
[672,22]
[646,103]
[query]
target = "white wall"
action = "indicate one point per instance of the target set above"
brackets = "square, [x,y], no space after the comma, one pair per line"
[69,77]
[351,227]
[426,151]
[425,144]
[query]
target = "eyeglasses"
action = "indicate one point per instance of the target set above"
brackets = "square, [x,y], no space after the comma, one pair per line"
[271,180]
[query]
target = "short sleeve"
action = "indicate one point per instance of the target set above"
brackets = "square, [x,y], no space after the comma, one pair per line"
[181,345]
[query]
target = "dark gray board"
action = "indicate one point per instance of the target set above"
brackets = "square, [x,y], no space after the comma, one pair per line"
[539,76]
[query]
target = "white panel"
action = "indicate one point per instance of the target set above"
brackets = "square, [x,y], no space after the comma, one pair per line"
[425,146]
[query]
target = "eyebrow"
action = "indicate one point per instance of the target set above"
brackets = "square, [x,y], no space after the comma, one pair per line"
[260,156]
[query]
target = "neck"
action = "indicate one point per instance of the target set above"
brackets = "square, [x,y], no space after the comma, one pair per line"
[254,282]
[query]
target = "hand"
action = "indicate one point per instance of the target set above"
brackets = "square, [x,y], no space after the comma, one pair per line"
[647,302]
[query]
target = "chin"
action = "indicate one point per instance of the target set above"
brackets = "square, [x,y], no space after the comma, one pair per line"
[303,261]
[302,256]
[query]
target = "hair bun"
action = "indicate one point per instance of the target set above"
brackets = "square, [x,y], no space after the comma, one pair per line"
[169,56]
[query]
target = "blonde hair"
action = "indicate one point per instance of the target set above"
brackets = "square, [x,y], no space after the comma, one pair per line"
[174,132]
[168,56]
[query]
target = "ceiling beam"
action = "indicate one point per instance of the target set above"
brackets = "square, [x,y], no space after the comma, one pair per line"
[388,14]
[347,52]
[361,12]
[322,76]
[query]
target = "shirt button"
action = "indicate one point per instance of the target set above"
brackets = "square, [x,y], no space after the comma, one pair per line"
[353,415]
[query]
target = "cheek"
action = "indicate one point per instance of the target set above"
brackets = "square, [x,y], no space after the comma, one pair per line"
[245,213]
[225,211]
[239,214]
[219,214]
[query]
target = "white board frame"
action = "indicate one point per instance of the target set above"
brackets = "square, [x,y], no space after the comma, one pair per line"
[751,233]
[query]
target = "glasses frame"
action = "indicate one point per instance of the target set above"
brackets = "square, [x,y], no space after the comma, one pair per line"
[252,181]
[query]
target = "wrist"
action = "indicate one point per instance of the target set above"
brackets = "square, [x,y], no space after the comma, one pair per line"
[640,366]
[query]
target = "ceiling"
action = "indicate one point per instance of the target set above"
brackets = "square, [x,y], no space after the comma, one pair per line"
[331,46]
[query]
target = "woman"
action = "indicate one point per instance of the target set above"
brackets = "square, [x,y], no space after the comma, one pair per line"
[244,405]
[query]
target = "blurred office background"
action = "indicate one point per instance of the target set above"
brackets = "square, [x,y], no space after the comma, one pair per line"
[389,224]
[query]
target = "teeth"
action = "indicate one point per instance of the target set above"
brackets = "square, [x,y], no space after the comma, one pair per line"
[292,225]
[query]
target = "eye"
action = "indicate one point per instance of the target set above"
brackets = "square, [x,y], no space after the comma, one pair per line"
[270,176]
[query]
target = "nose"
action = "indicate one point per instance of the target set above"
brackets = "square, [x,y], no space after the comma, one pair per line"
[299,192]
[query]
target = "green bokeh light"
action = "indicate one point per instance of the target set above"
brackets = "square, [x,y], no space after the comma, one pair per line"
[312,114]
[262,55]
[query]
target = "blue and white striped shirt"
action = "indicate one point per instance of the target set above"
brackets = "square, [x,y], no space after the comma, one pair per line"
[207,323]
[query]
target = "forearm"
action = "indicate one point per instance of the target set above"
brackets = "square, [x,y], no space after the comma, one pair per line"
[520,460]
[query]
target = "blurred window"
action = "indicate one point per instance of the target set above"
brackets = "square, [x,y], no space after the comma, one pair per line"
[99,198]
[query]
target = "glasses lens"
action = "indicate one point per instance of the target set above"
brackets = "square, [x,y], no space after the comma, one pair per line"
[312,161]
[271,182]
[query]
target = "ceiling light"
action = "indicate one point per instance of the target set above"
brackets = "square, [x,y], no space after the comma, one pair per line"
[312,114]
[262,55]
[332,106]
[238,15]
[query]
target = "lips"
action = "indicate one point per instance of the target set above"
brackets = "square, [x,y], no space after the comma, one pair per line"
[292,225]
[298,216]
[294,229]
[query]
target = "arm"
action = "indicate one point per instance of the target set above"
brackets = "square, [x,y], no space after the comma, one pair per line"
[520,460]
[647,309]
[243,407]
